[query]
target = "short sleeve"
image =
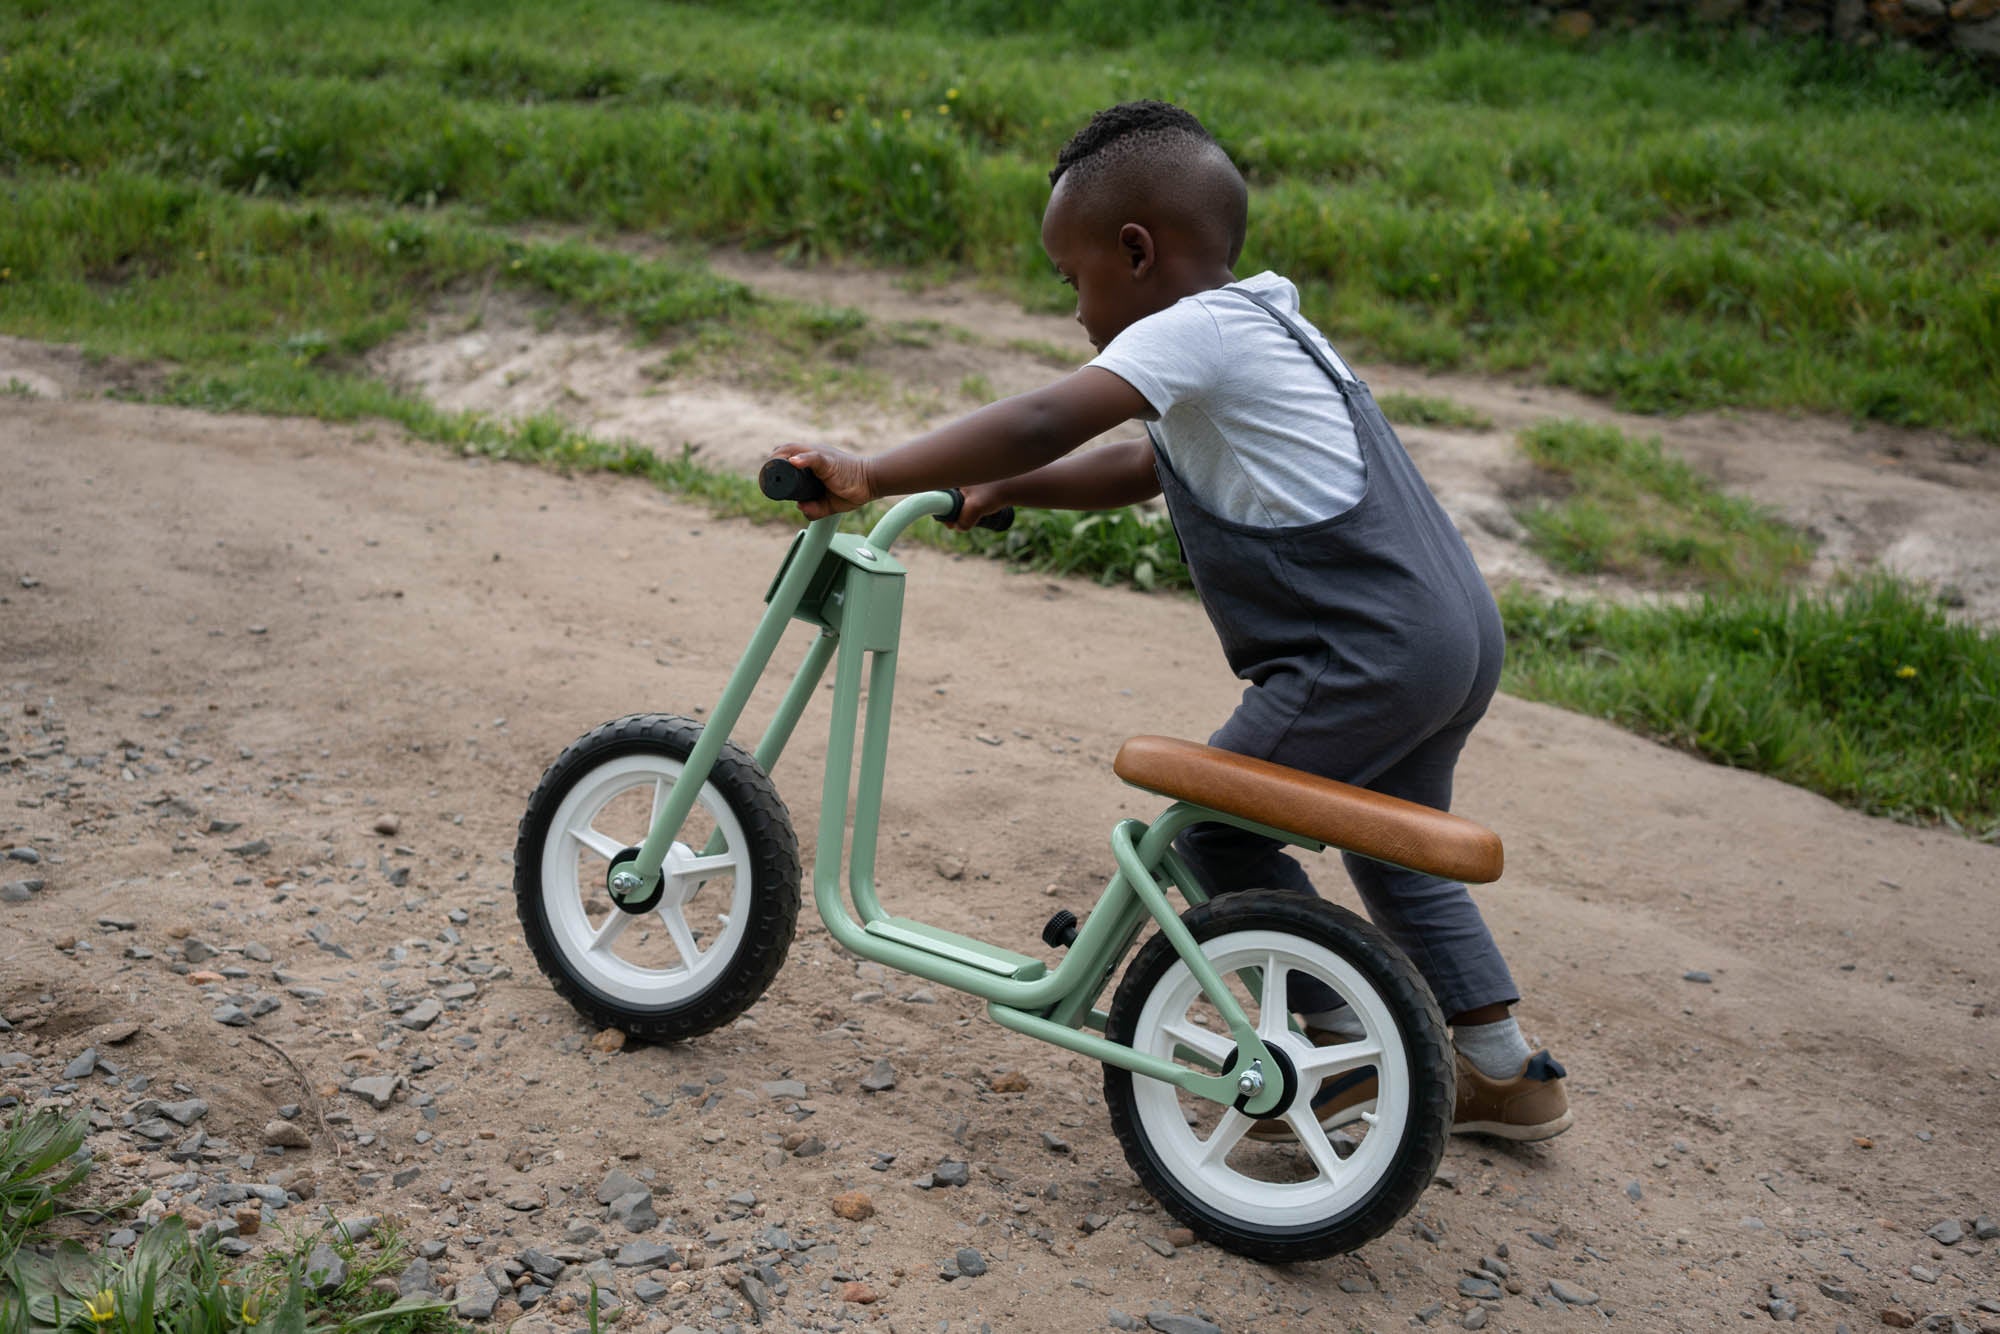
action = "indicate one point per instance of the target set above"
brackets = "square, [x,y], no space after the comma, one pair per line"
[1171,356]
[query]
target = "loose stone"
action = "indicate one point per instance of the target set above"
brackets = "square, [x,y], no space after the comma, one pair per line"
[286,1135]
[1573,1296]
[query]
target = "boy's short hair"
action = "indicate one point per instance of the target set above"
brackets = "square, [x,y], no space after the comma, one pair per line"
[1154,155]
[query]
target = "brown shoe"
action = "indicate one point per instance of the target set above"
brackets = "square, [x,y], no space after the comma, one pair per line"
[1530,1106]
[1341,1098]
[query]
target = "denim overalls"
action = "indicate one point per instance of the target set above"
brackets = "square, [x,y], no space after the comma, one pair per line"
[1371,645]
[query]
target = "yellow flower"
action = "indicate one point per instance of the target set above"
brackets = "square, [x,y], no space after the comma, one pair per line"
[1906,671]
[951,94]
[944,109]
[102,1308]
[838,114]
[906,113]
[252,1310]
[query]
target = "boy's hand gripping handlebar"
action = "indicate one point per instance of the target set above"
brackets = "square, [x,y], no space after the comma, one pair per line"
[779,480]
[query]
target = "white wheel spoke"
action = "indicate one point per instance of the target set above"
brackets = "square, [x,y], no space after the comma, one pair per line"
[1228,1132]
[1318,1147]
[603,845]
[698,869]
[614,926]
[1211,1046]
[661,789]
[1327,1061]
[677,927]
[1273,1014]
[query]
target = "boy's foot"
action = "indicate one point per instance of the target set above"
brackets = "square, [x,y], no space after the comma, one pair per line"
[1530,1106]
[1341,1098]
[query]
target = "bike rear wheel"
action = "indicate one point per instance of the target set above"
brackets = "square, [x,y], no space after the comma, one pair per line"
[1318,1192]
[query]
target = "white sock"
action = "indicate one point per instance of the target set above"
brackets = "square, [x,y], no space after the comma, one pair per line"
[1497,1051]
[1342,1021]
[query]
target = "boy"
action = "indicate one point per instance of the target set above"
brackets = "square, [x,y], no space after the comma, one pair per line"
[1340,590]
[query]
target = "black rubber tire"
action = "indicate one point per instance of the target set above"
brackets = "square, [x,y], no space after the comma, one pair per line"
[1426,1045]
[774,878]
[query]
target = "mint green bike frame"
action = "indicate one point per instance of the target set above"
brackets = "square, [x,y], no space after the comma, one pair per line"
[851,589]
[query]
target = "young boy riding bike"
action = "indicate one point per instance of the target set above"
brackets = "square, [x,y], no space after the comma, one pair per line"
[1339,588]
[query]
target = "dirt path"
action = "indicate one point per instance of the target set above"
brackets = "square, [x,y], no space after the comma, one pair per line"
[226,632]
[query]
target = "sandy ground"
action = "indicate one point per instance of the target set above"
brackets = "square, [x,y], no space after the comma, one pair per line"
[217,633]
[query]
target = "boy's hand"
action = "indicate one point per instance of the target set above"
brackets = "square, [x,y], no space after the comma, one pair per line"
[845,476]
[980,501]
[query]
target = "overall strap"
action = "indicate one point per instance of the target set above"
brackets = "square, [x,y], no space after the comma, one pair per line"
[1299,334]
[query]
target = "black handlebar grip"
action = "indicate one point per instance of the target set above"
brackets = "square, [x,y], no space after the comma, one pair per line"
[999,521]
[779,480]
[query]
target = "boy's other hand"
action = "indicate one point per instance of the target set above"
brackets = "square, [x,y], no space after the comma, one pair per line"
[980,501]
[844,475]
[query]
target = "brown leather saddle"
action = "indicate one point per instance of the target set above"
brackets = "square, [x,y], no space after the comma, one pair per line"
[1387,829]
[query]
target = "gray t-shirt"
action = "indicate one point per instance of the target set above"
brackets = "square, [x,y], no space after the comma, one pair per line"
[1250,423]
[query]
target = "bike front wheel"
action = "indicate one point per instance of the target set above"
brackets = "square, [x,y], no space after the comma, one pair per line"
[1308,1190]
[705,948]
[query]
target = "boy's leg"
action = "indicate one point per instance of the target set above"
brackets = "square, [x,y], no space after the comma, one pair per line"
[1433,920]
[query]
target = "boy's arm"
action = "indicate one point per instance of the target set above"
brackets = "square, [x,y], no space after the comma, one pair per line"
[1106,478]
[1004,439]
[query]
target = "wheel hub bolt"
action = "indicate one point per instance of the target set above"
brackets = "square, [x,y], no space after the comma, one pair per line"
[1251,1082]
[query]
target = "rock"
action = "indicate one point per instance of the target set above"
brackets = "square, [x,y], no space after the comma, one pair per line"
[542,1264]
[387,824]
[416,1280]
[379,1090]
[618,1183]
[608,1040]
[1947,1233]
[1834,1292]
[951,1172]
[83,1066]
[645,1255]
[650,1290]
[854,1206]
[477,1296]
[28,855]
[231,1015]
[880,1078]
[1482,1288]
[1923,1275]
[857,1292]
[1474,1319]
[525,1201]
[1159,1246]
[122,1031]
[186,1112]
[635,1211]
[1167,1323]
[325,1270]
[970,1262]
[1634,1191]
[1696,975]
[1897,1319]
[423,1014]
[256,847]
[1984,1228]
[1013,1081]
[286,1135]
[1572,1296]
[19,891]
[784,1088]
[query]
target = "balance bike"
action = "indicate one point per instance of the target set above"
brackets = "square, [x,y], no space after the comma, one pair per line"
[657,880]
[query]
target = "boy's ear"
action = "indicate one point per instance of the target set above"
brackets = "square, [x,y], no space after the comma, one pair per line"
[1137,243]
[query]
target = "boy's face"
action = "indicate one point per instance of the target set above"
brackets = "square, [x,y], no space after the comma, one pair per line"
[1106,265]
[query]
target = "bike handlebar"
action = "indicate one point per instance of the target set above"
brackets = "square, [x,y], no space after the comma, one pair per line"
[780,480]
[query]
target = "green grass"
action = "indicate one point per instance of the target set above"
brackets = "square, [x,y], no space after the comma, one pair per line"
[1430,410]
[1625,507]
[170,1281]
[1668,226]
[1866,694]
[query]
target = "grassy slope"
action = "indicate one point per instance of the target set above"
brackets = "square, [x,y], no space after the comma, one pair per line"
[1670,229]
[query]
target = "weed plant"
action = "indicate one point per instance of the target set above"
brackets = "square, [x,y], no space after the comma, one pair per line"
[170,1281]
[1669,224]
